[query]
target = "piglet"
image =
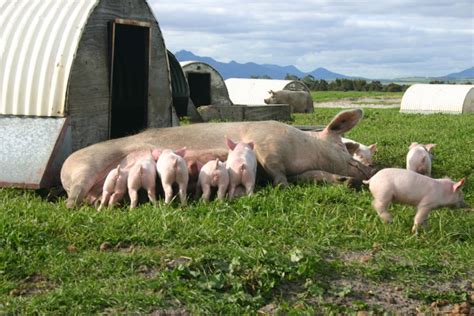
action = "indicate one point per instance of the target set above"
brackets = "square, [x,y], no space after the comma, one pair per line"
[142,175]
[114,188]
[408,187]
[419,158]
[172,168]
[213,174]
[360,152]
[242,166]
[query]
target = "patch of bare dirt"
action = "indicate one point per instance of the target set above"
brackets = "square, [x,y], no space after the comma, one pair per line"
[32,285]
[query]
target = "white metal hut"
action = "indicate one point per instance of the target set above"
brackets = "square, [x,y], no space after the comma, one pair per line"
[254,91]
[206,85]
[74,73]
[438,98]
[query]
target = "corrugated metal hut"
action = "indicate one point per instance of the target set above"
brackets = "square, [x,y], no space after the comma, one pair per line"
[74,73]
[253,91]
[206,85]
[438,98]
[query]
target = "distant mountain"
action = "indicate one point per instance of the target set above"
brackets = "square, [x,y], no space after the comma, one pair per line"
[465,74]
[247,70]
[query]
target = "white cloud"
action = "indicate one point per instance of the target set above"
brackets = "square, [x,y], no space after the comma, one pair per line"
[382,39]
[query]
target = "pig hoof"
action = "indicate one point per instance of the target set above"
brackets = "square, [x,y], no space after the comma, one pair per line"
[386,218]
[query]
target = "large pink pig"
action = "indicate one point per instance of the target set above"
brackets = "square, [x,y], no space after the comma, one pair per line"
[115,186]
[172,168]
[142,175]
[408,187]
[213,174]
[242,166]
[419,158]
[284,153]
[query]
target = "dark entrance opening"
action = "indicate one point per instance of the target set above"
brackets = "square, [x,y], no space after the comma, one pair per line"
[199,88]
[129,79]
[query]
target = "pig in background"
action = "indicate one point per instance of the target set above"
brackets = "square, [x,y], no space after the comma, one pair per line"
[408,187]
[299,101]
[419,158]
[242,166]
[172,168]
[213,174]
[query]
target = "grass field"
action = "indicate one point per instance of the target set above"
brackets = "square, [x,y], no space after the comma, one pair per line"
[306,249]
[326,96]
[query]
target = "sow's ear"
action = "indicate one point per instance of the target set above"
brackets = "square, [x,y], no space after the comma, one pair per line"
[344,121]
[412,145]
[458,184]
[230,143]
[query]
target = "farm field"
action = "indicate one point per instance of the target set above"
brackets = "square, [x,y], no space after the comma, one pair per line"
[306,249]
[327,96]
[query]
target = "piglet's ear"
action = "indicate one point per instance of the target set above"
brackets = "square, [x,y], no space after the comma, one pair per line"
[230,143]
[373,148]
[180,152]
[414,144]
[429,147]
[251,145]
[458,184]
[155,153]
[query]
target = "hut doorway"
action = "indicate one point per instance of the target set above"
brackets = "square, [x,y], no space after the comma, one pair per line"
[200,88]
[130,52]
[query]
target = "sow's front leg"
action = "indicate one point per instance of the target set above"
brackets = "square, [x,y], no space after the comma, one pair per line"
[356,172]
[325,177]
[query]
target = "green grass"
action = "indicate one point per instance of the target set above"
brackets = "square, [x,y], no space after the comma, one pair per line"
[291,248]
[327,96]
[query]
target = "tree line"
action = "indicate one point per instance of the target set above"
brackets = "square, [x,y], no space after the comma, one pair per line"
[341,84]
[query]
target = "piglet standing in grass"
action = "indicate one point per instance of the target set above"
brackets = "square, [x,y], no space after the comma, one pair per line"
[408,187]
[142,175]
[419,158]
[213,174]
[172,168]
[114,188]
[242,166]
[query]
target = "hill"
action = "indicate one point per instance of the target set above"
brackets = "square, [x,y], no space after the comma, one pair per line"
[237,70]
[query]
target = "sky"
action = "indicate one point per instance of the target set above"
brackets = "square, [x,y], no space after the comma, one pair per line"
[372,39]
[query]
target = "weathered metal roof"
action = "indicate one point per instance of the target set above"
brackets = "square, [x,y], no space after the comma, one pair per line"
[433,98]
[39,42]
[179,84]
[253,91]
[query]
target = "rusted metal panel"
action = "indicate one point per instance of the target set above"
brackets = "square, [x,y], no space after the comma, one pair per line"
[32,150]
[254,91]
[438,98]
[39,42]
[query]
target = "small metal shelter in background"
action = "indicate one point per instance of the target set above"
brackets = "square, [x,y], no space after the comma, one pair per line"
[74,73]
[438,98]
[206,85]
